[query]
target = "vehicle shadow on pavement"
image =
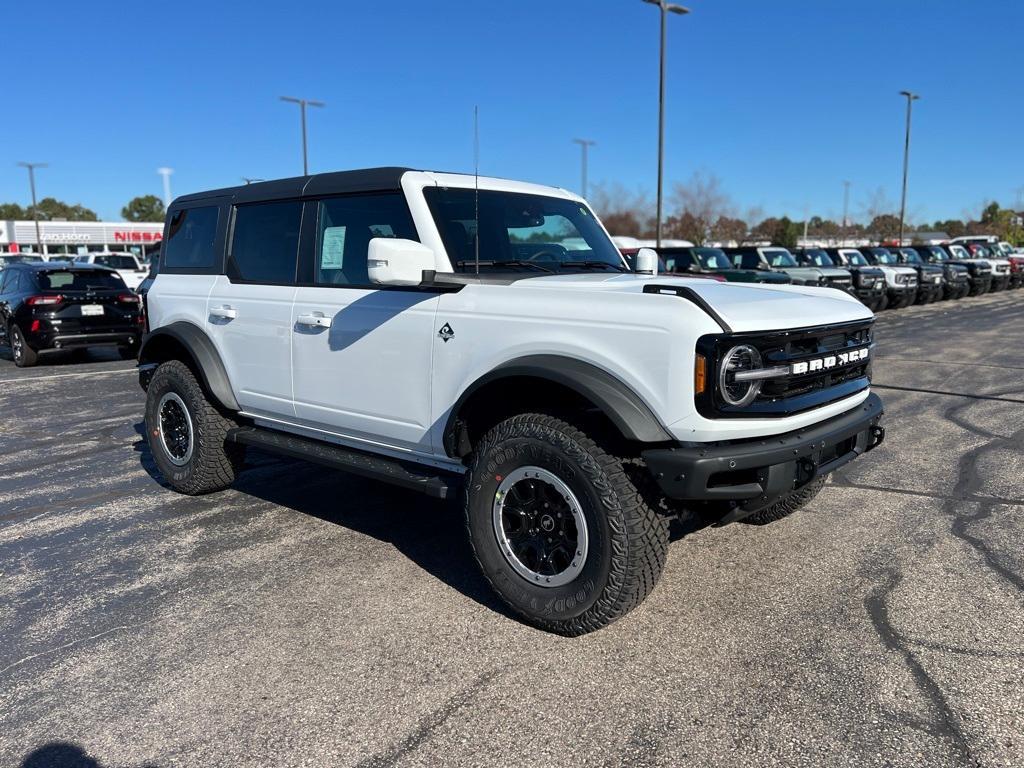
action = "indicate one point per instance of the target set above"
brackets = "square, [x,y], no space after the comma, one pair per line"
[427,531]
[63,754]
[66,357]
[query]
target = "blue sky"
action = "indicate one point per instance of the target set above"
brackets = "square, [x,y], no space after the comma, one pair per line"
[781,100]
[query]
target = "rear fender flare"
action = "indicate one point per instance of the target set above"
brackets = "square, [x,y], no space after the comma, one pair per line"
[206,360]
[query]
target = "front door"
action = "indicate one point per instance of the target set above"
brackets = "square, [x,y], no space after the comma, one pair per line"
[361,355]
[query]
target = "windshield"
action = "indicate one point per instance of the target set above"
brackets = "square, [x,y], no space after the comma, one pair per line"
[911,256]
[80,280]
[713,258]
[820,258]
[517,230]
[856,259]
[959,252]
[936,253]
[780,257]
[884,256]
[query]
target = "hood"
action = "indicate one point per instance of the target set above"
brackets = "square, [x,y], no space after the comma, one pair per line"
[744,306]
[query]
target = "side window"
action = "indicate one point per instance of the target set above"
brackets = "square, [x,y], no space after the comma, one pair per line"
[345,226]
[8,279]
[265,243]
[190,239]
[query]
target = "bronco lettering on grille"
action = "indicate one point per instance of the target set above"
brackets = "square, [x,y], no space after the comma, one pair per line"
[830,361]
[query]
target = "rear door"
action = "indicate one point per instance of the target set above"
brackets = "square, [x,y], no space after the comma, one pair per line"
[249,310]
[361,353]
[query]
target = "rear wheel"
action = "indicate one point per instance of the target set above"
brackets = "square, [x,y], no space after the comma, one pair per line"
[560,527]
[24,355]
[187,433]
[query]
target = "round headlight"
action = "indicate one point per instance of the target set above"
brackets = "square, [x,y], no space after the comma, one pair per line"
[739,393]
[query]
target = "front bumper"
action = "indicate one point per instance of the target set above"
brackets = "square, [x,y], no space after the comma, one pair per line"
[756,473]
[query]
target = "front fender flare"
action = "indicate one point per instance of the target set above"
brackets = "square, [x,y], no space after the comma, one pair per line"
[630,414]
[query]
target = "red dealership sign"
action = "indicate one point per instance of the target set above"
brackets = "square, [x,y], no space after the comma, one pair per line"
[138,237]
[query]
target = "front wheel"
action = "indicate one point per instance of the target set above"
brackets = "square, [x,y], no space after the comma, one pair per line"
[559,528]
[188,434]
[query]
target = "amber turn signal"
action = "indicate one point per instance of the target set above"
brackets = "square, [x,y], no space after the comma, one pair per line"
[700,374]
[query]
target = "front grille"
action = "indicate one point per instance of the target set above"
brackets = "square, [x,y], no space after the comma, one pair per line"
[792,393]
[842,283]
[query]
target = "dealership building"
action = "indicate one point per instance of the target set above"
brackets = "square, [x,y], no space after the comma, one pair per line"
[80,237]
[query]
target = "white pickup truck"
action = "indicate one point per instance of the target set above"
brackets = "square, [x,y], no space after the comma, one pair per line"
[433,330]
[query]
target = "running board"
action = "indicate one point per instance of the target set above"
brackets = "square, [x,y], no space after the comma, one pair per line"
[440,485]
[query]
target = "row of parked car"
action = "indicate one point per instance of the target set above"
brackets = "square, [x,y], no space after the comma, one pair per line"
[132,269]
[881,277]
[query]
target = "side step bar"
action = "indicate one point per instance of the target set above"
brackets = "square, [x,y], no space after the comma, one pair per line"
[440,485]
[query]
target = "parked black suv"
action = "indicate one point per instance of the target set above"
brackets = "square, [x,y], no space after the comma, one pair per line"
[956,279]
[59,305]
[868,281]
[714,261]
[929,276]
[980,271]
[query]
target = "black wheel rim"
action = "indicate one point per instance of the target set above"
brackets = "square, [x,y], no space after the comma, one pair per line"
[540,527]
[175,428]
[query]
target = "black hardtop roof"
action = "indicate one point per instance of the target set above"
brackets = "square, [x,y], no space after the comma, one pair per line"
[385,179]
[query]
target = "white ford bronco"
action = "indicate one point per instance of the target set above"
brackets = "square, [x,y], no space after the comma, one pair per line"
[452,333]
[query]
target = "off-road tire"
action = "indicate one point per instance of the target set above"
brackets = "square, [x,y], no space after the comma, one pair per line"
[214,463]
[28,356]
[628,536]
[789,504]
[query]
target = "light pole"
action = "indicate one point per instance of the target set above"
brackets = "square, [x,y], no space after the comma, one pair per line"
[35,209]
[585,144]
[303,103]
[666,8]
[911,98]
[846,207]
[166,173]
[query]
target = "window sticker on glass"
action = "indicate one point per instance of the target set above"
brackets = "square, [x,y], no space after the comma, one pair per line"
[332,252]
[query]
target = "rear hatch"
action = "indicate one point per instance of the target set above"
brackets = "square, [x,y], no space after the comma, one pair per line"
[86,302]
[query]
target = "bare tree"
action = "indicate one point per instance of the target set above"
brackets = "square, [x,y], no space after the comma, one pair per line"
[702,201]
[623,212]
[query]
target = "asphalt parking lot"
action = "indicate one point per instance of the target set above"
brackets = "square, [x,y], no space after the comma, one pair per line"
[310,618]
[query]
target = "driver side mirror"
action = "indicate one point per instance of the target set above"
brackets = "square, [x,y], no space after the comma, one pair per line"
[647,262]
[393,261]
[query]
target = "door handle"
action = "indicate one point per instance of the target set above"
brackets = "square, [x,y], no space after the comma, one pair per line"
[314,320]
[225,312]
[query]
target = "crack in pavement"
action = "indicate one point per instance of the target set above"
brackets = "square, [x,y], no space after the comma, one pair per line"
[427,725]
[946,726]
[74,642]
[997,398]
[840,483]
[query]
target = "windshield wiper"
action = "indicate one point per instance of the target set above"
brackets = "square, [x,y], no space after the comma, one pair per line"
[592,264]
[510,263]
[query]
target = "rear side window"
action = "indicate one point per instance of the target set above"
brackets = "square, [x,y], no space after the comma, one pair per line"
[190,239]
[344,230]
[265,243]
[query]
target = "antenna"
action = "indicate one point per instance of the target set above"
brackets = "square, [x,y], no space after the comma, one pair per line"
[476,183]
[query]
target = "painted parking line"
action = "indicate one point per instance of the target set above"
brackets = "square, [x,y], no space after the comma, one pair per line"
[67,376]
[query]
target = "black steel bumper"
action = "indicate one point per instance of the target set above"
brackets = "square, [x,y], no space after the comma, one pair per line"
[757,473]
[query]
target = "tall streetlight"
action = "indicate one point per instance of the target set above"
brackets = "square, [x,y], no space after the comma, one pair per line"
[303,103]
[846,207]
[666,8]
[166,173]
[911,98]
[585,144]
[35,208]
